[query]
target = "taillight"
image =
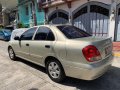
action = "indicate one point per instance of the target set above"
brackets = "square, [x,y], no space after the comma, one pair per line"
[91,53]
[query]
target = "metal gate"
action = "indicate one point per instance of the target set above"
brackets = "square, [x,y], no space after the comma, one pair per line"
[93,17]
[117,33]
[58,17]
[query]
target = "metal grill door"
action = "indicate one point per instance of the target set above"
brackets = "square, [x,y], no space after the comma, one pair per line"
[117,35]
[58,17]
[93,18]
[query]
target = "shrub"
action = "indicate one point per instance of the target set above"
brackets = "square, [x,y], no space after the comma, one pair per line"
[1,26]
[20,25]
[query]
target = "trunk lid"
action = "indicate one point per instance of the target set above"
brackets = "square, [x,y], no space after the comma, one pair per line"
[104,45]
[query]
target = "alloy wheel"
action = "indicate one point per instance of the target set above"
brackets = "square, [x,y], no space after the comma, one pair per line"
[54,70]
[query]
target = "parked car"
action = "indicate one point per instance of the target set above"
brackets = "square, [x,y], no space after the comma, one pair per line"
[5,34]
[10,27]
[64,50]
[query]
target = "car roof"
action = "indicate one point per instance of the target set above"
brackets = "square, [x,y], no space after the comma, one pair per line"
[48,25]
[21,29]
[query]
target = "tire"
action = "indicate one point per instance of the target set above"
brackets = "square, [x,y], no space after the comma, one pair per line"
[11,53]
[55,71]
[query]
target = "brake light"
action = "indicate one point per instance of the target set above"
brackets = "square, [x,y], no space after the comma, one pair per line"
[91,53]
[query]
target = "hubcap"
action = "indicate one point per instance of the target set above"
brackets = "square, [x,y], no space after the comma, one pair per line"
[54,70]
[11,53]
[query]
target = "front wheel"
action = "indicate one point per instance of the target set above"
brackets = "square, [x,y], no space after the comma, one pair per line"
[55,70]
[11,53]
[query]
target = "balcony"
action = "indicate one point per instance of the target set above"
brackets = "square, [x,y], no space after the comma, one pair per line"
[49,3]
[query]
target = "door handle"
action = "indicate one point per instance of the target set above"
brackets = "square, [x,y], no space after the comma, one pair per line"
[27,44]
[47,46]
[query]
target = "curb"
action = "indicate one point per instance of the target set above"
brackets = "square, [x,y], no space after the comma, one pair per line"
[116,54]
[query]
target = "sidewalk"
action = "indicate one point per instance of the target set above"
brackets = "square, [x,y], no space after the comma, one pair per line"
[13,77]
[116,49]
[21,75]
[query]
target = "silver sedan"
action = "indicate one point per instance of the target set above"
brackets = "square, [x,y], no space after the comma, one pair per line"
[64,50]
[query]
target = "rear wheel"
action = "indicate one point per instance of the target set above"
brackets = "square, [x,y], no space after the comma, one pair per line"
[55,70]
[11,53]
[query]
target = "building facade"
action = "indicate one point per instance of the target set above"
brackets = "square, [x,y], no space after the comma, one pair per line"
[97,17]
[1,19]
[8,13]
[29,13]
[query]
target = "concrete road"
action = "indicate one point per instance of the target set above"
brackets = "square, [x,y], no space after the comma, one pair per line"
[23,75]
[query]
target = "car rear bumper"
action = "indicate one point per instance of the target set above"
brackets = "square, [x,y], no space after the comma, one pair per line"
[90,72]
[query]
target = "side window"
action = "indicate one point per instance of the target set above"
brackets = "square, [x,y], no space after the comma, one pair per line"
[28,34]
[44,33]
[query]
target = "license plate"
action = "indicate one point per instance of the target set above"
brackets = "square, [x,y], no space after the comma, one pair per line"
[108,50]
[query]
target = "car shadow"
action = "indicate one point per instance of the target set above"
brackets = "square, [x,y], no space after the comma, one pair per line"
[35,66]
[4,40]
[109,81]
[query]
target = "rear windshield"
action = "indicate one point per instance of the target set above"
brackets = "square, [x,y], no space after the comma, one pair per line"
[72,32]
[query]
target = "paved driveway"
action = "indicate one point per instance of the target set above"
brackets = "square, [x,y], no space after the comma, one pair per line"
[23,75]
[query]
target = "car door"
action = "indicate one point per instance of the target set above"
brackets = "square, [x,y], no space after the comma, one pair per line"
[24,43]
[42,45]
[1,35]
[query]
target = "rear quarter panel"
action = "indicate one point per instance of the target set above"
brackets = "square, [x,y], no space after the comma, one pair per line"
[74,52]
[60,50]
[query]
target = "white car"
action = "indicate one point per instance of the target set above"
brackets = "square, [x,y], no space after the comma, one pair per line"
[64,50]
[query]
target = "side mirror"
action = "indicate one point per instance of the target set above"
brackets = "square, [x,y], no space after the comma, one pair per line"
[17,38]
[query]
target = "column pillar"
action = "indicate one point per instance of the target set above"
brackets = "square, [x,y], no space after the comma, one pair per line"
[112,19]
[46,15]
[70,12]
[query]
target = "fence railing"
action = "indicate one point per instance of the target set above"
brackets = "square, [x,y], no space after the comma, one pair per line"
[49,1]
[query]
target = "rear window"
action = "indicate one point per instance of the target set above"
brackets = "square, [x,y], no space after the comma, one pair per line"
[72,32]
[18,32]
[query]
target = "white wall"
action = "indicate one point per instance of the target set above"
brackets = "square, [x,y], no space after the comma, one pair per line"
[76,4]
[63,7]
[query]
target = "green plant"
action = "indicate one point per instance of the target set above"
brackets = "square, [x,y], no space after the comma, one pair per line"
[1,26]
[20,25]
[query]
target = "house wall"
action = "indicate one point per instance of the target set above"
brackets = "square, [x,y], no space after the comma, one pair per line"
[76,4]
[40,15]
[23,18]
[27,19]
[113,24]
[95,23]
